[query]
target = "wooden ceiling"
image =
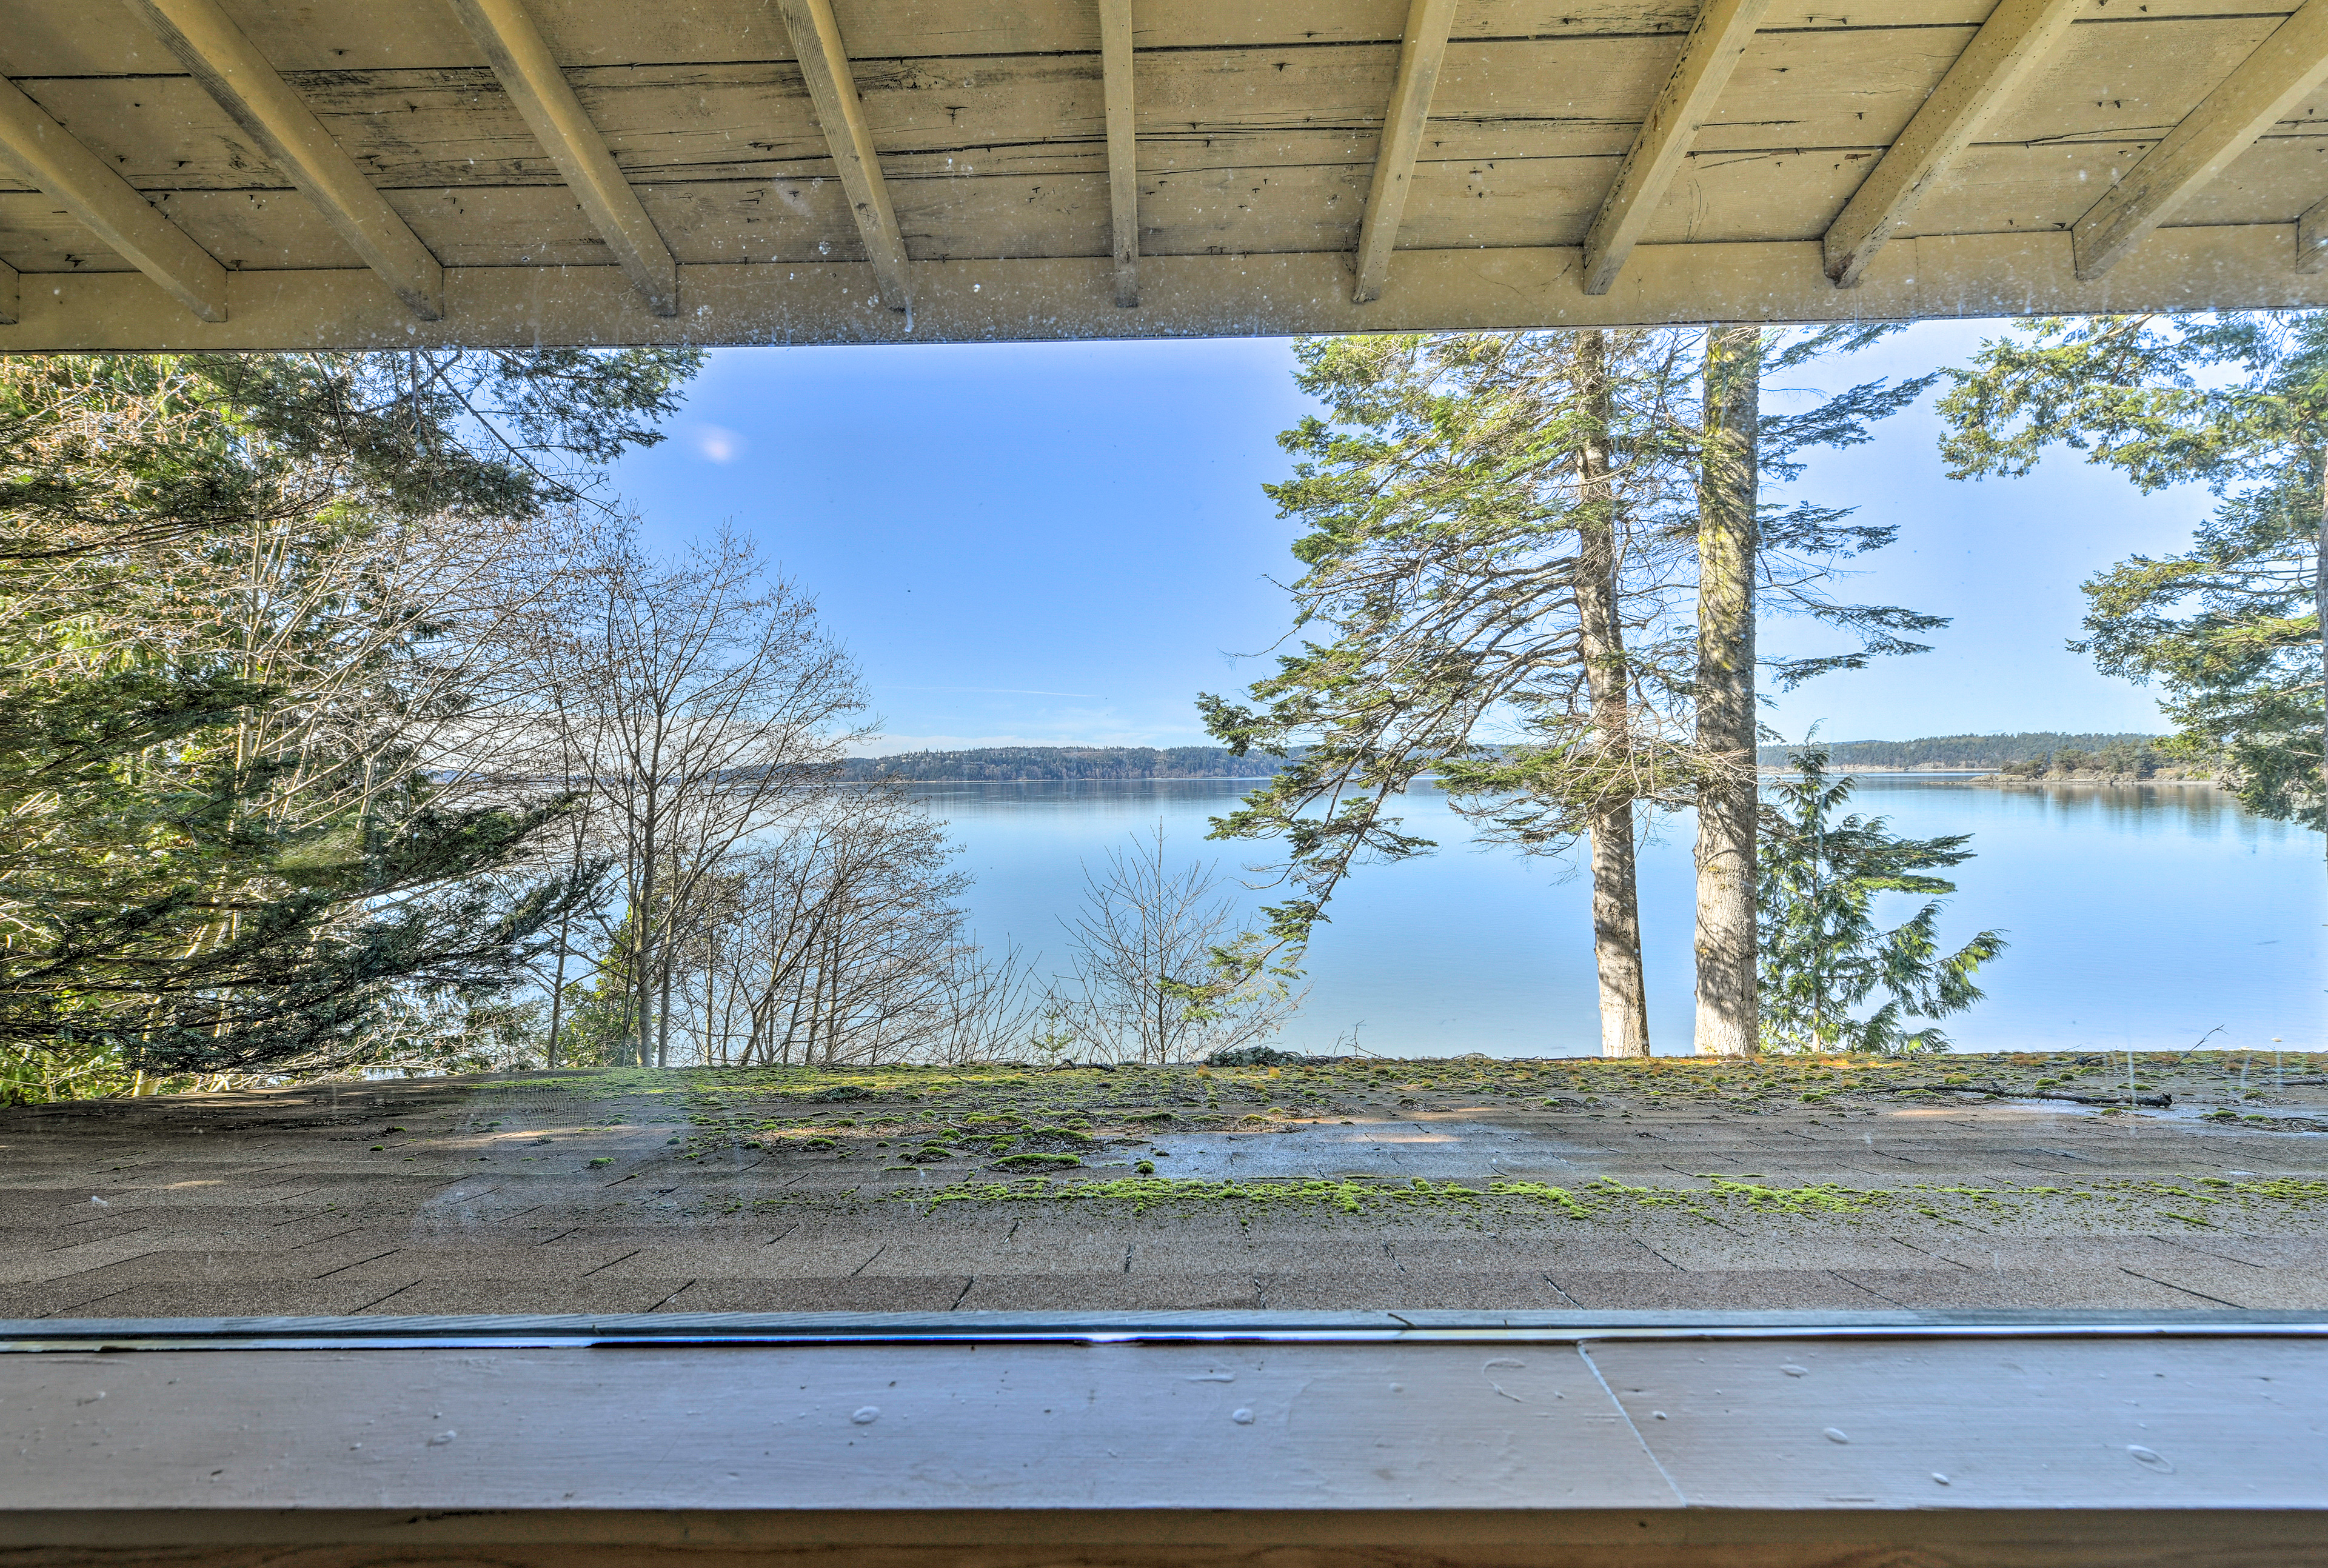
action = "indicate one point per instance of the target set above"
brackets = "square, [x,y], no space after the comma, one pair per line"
[275,173]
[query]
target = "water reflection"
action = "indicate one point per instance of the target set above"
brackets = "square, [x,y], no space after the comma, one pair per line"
[2140,915]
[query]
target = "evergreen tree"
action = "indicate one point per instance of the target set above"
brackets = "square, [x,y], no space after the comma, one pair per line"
[2224,628]
[1487,515]
[1822,953]
[222,846]
[1503,530]
[2239,403]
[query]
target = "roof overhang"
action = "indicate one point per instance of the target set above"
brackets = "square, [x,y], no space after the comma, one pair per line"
[266,174]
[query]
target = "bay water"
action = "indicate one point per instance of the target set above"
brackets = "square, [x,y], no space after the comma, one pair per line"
[2144,917]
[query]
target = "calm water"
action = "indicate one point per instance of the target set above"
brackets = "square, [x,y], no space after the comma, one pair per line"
[2142,916]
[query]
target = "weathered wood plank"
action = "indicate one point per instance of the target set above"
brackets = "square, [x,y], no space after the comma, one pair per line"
[40,239]
[1982,1450]
[825,65]
[2001,58]
[230,68]
[1714,47]
[2267,86]
[1115,31]
[2124,77]
[1454,205]
[1582,96]
[10,292]
[2224,268]
[537,85]
[2017,189]
[107,206]
[1420,53]
[1251,151]
[51,37]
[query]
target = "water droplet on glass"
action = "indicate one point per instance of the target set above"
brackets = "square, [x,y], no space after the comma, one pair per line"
[442,1437]
[867,1414]
[1939,1478]
[2150,1459]
[1791,1370]
[1242,1416]
[1836,1434]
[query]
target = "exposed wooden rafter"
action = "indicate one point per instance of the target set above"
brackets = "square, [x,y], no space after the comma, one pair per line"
[1122,145]
[1999,61]
[832,88]
[2267,84]
[10,297]
[1419,57]
[55,162]
[255,96]
[535,82]
[1721,34]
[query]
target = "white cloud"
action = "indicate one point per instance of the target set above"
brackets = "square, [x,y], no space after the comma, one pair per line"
[718,443]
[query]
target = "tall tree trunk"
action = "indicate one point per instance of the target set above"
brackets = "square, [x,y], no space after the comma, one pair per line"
[2320,611]
[1616,897]
[565,933]
[558,993]
[1728,1005]
[643,939]
[662,1014]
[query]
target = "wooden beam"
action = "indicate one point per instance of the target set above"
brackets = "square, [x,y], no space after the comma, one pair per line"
[1997,63]
[251,91]
[537,86]
[2259,94]
[1122,145]
[1419,57]
[10,294]
[1717,40]
[2312,238]
[108,206]
[832,88]
[1055,299]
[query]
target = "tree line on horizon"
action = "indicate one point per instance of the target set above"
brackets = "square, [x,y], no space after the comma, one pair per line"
[1035,764]
[1535,564]
[1029,763]
[346,724]
[1960,751]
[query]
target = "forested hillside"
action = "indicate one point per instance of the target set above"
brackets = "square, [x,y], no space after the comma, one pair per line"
[1951,751]
[1015,763]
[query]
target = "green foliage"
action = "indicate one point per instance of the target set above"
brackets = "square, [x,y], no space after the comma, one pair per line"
[1823,955]
[219,849]
[2130,755]
[1440,501]
[1021,763]
[1959,751]
[2227,627]
[2239,403]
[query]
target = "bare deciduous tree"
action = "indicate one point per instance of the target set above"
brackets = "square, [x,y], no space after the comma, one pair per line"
[1142,985]
[699,702]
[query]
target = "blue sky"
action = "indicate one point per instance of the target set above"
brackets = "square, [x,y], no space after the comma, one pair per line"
[1062,544]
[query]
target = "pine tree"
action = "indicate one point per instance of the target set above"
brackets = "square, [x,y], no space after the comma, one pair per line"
[2234,628]
[1823,955]
[222,847]
[1488,515]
